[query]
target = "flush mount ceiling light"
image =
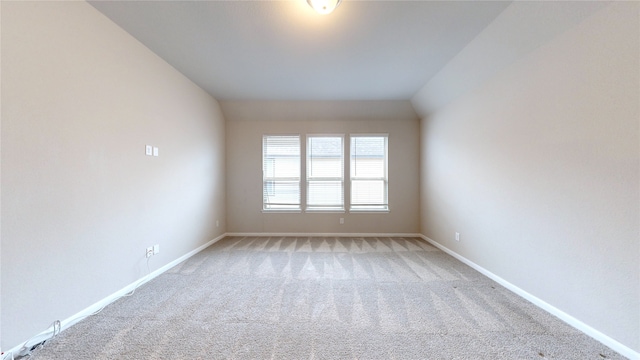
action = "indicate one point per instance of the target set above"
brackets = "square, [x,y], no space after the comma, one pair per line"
[324,6]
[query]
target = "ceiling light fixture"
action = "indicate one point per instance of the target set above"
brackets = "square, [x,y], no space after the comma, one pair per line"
[324,7]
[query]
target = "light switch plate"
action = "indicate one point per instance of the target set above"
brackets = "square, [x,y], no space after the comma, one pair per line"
[155,151]
[148,150]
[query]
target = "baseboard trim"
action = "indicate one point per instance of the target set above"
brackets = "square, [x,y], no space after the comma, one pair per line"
[329,234]
[588,330]
[72,320]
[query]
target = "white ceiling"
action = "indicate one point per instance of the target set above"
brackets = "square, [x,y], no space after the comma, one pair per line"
[282,50]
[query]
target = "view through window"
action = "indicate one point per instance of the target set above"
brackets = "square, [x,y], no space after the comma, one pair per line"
[281,172]
[369,173]
[325,173]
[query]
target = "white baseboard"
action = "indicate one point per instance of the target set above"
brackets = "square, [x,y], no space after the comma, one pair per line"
[329,234]
[65,324]
[606,340]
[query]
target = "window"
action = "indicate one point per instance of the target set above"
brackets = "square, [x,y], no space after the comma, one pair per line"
[281,172]
[325,168]
[369,180]
[325,173]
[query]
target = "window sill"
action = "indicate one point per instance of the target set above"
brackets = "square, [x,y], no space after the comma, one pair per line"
[284,211]
[370,211]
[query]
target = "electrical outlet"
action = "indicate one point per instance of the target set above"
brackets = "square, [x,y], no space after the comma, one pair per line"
[217,223]
[156,249]
[457,236]
[341,220]
[150,251]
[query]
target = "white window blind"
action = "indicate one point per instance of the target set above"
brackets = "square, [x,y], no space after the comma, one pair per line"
[369,182]
[325,173]
[281,172]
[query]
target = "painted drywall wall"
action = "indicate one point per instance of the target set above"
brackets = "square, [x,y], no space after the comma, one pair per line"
[1,348]
[80,200]
[521,28]
[248,121]
[538,170]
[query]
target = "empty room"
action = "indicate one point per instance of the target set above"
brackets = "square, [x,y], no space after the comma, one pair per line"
[320,179]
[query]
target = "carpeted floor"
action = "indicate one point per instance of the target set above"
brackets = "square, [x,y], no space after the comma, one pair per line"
[322,298]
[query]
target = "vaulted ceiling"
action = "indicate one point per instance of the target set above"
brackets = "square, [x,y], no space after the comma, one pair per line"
[429,52]
[283,50]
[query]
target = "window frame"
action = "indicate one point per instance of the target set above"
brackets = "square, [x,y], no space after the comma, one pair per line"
[295,207]
[369,208]
[328,208]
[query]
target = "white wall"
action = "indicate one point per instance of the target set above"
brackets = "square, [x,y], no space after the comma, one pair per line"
[520,29]
[538,169]
[248,121]
[80,200]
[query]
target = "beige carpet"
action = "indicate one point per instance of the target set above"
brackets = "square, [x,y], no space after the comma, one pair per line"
[322,298]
